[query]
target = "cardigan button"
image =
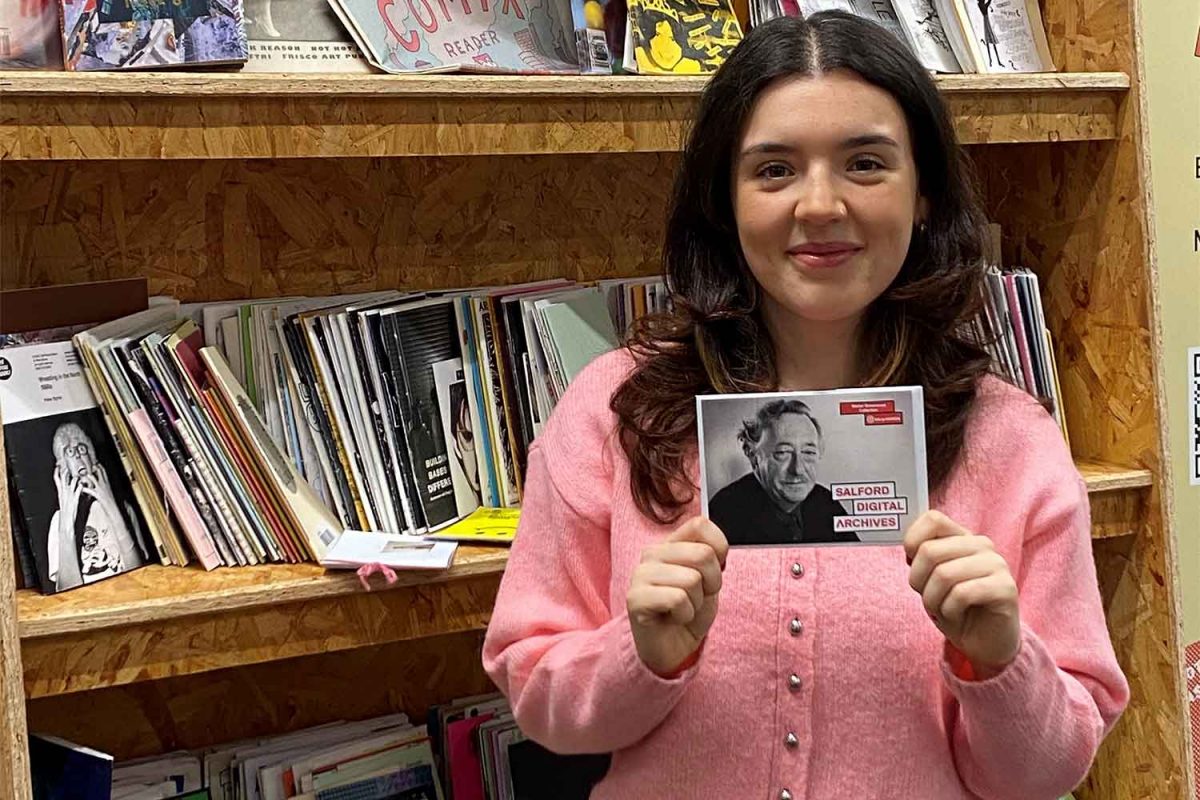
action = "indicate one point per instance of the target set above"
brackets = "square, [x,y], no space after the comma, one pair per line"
[798,570]
[795,627]
[791,740]
[794,682]
[784,794]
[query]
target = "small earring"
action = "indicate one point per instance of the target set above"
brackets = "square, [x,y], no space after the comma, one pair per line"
[922,227]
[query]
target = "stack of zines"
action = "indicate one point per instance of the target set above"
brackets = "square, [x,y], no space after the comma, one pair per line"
[522,36]
[1013,328]
[532,36]
[949,36]
[469,749]
[260,431]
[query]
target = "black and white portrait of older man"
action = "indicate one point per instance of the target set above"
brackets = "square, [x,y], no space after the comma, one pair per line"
[778,500]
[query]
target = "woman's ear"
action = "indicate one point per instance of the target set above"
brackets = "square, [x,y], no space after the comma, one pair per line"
[922,215]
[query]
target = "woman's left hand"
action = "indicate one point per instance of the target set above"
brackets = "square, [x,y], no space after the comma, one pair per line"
[967,590]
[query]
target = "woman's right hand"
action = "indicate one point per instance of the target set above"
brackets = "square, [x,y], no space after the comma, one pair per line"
[672,599]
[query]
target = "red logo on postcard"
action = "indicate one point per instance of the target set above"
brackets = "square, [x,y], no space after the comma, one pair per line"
[875,407]
[894,418]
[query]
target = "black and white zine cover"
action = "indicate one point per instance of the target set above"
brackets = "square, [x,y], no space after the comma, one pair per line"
[836,467]
[74,497]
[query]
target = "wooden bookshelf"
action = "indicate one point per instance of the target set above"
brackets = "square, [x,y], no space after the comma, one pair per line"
[162,622]
[1102,478]
[158,595]
[222,115]
[290,185]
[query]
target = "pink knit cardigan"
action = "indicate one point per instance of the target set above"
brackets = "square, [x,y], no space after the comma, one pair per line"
[856,699]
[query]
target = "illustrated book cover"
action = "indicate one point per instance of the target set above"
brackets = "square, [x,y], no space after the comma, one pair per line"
[151,34]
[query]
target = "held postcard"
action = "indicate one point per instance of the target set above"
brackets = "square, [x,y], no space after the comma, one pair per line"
[813,468]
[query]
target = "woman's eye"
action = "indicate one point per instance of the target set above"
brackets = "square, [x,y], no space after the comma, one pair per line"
[774,171]
[865,164]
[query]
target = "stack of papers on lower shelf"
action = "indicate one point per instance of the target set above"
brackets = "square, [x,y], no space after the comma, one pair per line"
[354,549]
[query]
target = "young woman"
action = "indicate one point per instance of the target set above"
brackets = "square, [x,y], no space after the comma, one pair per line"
[823,234]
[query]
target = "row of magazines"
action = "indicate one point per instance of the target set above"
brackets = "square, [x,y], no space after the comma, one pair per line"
[330,429]
[468,749]
[336,430]
[507,36]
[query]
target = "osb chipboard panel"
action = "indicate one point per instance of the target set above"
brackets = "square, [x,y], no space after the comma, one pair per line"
[205,126]
[92,659]
[202,710]
[1118,514]
[1089,35]
[157,595]
[231,127]
[230,229]
[1064,213]
[14,753]
[1073,213]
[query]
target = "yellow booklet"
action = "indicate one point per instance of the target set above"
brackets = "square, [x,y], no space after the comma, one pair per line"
[482,526]
[683,37]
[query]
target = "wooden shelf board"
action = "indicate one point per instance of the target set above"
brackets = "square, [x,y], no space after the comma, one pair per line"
[185,84]
[161,622]
[159,594]
[1102,477]
[63,116]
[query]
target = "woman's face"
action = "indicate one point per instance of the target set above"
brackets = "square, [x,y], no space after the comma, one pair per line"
[825,196]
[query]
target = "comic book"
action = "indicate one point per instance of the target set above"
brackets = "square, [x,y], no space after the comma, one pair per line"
[151,34]
[682,37]
[507,36]
[299,36]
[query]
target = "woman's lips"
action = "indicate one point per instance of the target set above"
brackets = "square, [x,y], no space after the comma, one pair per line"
[823,255]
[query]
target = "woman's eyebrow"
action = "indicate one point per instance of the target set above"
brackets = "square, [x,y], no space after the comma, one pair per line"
[861,140]
[867,139]
[766,147]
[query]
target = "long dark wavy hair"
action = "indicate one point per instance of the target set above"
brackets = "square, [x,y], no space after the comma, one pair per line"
[715,340]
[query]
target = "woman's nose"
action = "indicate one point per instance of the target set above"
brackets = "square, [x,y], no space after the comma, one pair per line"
[818,201]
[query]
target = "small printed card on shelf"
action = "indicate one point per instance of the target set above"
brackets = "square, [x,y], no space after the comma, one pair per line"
[835,467]
[354,549]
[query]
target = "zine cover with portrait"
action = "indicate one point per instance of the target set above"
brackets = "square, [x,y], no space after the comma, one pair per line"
[74,497]
[838,467]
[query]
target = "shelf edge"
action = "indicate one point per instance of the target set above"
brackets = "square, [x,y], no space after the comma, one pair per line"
[266,85]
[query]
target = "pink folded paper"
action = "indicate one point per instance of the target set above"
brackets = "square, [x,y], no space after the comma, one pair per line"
[367,570]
